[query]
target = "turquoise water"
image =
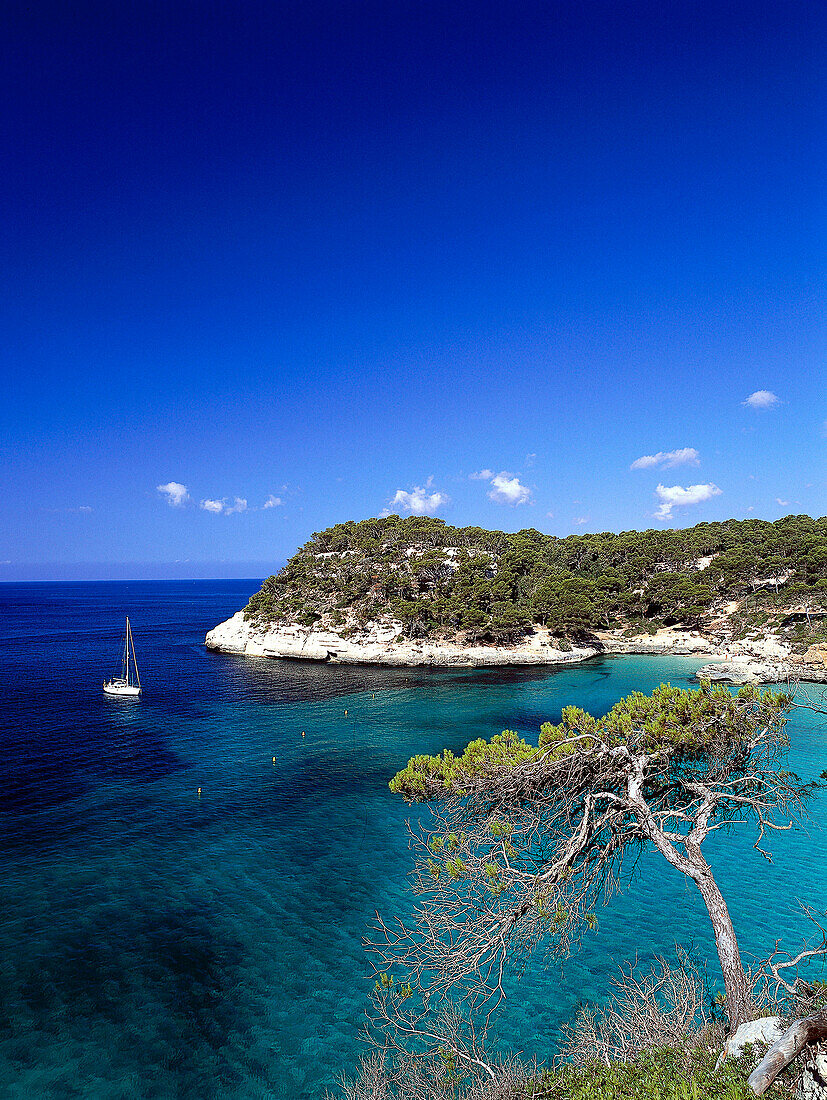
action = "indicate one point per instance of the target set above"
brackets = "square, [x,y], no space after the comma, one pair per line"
[158,943]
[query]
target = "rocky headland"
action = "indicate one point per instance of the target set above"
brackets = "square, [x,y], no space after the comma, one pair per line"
[748,597]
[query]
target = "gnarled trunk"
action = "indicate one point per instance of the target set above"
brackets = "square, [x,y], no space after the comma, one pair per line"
[740,1007]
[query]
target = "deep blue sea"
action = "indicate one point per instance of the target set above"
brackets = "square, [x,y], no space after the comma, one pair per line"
[155,942]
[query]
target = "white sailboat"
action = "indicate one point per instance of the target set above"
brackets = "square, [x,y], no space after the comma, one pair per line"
[129,682]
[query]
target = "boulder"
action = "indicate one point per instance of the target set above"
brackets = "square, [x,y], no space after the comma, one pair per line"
[732,672]
[815,655]
[765,1031]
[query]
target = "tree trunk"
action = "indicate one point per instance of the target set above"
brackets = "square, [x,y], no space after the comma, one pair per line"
[740,1007]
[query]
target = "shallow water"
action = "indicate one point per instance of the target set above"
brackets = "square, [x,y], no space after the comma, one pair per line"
[158,943]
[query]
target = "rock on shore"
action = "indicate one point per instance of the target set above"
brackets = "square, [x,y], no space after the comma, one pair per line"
[765,660]
[746,670]
[382,644]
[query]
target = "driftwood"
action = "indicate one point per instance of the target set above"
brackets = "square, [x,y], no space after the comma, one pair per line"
[810,1029]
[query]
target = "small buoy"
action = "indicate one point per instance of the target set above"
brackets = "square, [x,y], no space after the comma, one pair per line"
[199,792]
[274,759]
[302,733]
[345,714]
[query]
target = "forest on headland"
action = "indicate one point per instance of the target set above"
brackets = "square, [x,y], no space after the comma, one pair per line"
[493,586]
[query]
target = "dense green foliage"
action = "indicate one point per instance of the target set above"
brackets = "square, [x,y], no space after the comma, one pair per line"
[689,728]
[488,585]
[671,1074]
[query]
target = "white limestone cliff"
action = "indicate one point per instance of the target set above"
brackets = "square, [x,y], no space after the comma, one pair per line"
[383,643]
[755,660]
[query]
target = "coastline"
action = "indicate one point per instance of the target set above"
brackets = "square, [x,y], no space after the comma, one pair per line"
[766,660]
[382,644]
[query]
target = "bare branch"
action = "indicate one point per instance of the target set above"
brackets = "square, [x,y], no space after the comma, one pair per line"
[660,1008]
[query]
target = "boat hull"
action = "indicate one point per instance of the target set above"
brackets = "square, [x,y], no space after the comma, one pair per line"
[126,690]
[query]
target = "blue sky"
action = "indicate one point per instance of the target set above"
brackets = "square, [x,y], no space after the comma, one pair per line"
[349,257]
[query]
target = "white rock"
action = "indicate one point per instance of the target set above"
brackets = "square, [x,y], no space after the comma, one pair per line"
[765,1031]
[382,643]
[731,672]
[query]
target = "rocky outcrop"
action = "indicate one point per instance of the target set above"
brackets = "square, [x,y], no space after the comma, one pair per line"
[753,661]
[382,643]
[765,661]
[749,670]
[742,671]
[666,641]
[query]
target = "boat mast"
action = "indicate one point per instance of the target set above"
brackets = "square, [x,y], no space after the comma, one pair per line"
[131,641]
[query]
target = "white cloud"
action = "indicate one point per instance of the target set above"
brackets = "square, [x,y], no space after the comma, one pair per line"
[223,507]
[273,502]
[581,520]
[530,459]
[506,489]
[175,492]
[675,496]
[550,515]
[685,456]
[783,503]
[762,399]
[419,501]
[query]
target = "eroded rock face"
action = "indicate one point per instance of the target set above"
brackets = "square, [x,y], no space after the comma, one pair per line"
[747,671]
[665,641]
[736,672]
[815,655]
[382,643]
